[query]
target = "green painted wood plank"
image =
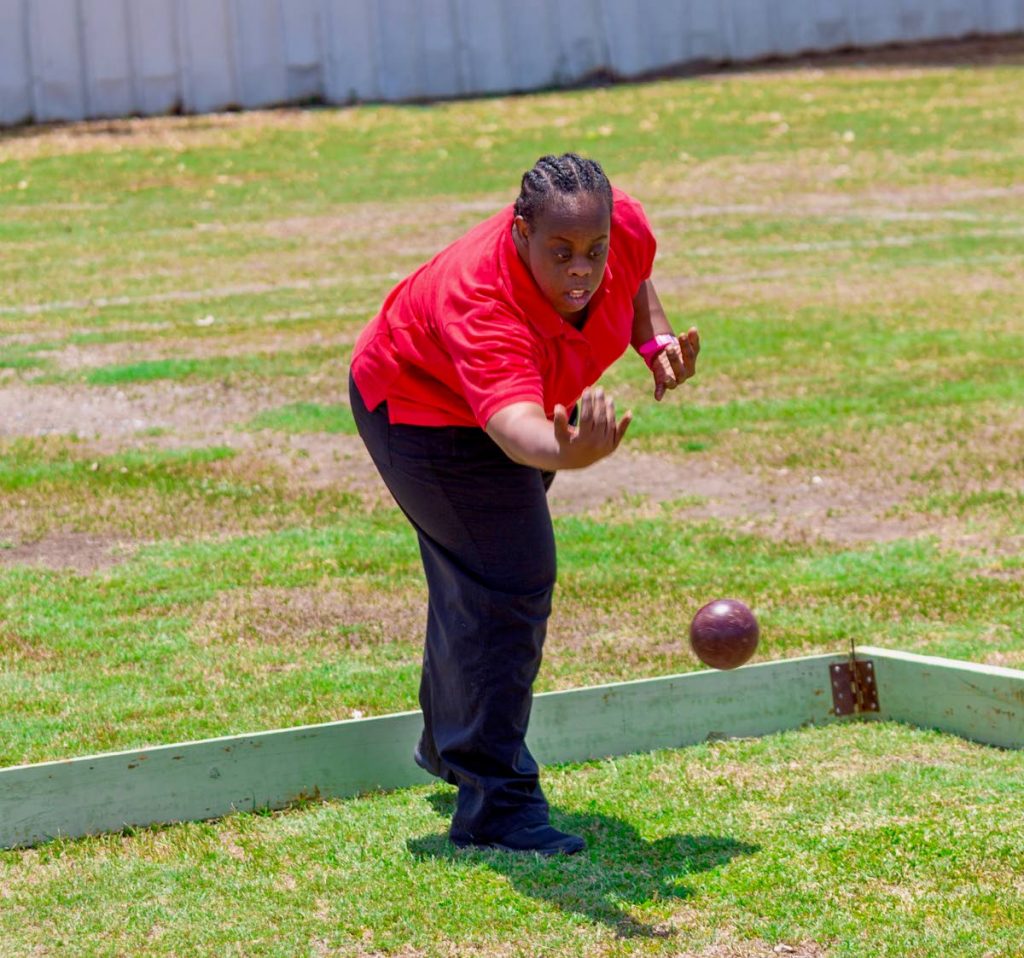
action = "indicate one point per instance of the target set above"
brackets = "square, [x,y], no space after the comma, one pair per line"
[984,703]
[679,710]
[207,779]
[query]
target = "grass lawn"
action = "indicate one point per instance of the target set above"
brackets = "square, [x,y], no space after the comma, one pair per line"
[193,543]
[869,839]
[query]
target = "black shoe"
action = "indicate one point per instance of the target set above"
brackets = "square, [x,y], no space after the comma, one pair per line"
[539,839]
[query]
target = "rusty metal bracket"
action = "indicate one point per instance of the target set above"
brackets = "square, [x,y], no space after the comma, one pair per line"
[854,689]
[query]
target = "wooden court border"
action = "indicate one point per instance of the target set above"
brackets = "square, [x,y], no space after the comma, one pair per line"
[270,770]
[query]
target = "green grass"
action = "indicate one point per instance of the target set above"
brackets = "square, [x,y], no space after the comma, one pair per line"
[23,355]
[299,363]
[25,466]
[848,242]
[303,417]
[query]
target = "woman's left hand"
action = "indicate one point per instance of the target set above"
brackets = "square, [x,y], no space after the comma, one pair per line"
[675,363]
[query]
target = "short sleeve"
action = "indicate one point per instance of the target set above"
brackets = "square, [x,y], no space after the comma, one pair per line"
[632,236]
[497,359]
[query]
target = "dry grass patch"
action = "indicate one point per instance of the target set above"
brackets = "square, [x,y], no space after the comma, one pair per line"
[587,646]
[721,775]
[79,552]
[241,494]
[359,615]
[885,468]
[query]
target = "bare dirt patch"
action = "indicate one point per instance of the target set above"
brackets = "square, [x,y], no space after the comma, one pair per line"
[190,410]
[780,502]
[759,949]
[75,551]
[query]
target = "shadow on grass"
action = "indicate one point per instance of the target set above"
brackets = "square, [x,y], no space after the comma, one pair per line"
[618,866]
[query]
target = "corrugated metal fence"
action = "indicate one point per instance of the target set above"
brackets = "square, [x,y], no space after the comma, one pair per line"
[70,59]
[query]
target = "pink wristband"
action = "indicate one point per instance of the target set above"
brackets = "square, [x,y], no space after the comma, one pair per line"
[654,346]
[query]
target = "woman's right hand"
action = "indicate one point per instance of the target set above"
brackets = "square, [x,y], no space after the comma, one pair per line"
[596,434]
[527,436]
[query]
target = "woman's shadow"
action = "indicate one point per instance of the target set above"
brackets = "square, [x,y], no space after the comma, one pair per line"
[617,867]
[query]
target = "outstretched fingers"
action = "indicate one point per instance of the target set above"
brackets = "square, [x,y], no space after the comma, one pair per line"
[689,346]
[603,414]
[598,428]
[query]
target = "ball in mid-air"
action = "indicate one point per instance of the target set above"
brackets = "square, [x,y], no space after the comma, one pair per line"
[724,633]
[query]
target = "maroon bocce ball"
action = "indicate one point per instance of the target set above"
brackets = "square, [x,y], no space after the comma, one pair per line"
[724,634]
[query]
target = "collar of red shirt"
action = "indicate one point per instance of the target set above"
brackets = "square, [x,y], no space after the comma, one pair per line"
[527,295]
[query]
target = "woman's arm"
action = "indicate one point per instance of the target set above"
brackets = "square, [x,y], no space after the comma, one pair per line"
[678,361]
[527,436]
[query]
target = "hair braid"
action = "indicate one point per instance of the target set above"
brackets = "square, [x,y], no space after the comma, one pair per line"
[565,175]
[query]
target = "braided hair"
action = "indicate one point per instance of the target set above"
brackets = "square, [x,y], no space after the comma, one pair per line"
[567,174]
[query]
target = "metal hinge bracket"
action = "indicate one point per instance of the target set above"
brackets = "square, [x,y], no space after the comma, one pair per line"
[854,689]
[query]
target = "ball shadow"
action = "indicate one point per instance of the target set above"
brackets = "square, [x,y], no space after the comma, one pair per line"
[618,866]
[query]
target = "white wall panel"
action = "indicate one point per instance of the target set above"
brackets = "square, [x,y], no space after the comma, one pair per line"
[261,71]
[440,64]
[955,18]
[399,28]
[483,48]
[15,67]
[304,46]
[153,27]
[878,22]
[533,50]
[107,58]
[803,26]
[707,27]
[645,35]
[66,59]
[830,25]
[750,30]
[350,57]
[580,40]
[58,78]
[207,51]
[914,19]
[1003,16]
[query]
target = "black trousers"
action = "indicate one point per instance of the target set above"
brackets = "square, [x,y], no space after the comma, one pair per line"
[488,552]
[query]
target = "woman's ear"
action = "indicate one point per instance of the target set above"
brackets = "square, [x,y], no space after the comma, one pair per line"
[522,228]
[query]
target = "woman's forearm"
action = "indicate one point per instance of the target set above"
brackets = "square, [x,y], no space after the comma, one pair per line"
[649,319]
[527,436]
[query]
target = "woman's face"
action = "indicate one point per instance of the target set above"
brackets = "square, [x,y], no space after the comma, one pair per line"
[566,249]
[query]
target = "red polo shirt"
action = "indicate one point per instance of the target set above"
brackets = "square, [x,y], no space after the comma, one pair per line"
[470,332]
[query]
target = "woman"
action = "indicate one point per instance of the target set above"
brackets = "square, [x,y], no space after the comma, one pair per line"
[460,388]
